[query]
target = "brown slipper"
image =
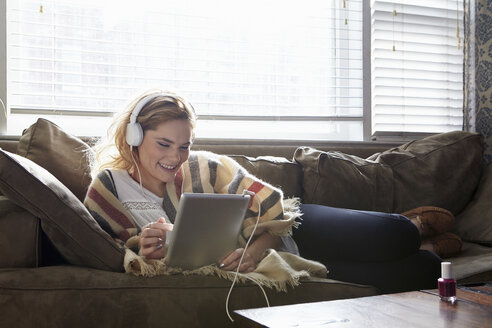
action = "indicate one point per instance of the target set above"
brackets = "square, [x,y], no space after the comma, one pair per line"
[445,245]
[430,220]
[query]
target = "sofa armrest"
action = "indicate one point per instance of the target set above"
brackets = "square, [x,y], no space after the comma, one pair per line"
[20,236]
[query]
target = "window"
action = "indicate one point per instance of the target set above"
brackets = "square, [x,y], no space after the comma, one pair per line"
[253,70]
[417,66]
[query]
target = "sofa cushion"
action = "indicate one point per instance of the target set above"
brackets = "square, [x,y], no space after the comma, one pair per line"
[60,153]
[335,179]
[474,224]
[441,170]
[277,171]
[473,265]
[64,219]
[19,236]
[81,297]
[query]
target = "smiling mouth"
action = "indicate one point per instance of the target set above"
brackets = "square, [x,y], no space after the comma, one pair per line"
[168,167]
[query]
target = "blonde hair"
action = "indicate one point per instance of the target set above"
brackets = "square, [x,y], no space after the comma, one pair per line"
[113,152]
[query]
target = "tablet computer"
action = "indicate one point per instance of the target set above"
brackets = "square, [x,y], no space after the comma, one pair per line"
[206,229]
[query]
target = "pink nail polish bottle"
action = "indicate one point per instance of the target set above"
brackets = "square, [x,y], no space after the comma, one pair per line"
[447,284]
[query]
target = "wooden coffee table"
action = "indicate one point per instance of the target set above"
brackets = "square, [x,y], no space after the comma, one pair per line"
[473,308]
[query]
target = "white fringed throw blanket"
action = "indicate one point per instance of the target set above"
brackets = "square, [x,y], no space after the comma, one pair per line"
[277,270]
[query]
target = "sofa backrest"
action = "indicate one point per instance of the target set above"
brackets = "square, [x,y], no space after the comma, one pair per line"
[9,144]
[430,171]
[286,149]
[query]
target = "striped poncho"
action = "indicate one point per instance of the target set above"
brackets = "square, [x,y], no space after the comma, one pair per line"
[203,172]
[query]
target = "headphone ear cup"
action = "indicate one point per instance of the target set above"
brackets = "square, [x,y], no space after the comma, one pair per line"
[134,134]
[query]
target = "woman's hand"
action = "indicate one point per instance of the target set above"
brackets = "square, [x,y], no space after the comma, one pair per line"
[231,261]
[253,255]
[153,238]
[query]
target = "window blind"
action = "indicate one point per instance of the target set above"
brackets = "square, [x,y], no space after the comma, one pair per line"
[252,69]
[417,86]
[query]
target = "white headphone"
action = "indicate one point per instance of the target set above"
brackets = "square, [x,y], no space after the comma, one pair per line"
[134,132]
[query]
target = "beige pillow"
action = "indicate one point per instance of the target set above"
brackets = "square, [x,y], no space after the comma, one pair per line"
[64,155]
[20,244]
[64,219]
[475,222]
[441,170]
[339,180]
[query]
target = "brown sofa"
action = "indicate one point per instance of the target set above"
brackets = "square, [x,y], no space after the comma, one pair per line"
[58,268]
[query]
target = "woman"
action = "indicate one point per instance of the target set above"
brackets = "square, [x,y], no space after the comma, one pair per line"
[136,190]
[135,194]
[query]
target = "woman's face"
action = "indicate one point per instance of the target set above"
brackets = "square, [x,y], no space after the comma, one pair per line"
[162,153]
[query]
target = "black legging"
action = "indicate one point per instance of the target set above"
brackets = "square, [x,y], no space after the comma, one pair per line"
[365,247]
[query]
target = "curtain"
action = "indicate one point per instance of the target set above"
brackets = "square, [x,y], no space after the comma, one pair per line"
[477,79]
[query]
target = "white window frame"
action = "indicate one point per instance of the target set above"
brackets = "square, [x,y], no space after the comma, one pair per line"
[3,67]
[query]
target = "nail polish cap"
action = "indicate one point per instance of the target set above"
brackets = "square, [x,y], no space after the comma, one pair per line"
[446,270]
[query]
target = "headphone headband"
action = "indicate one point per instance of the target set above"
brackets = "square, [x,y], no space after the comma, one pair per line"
[134,132]
[138,107]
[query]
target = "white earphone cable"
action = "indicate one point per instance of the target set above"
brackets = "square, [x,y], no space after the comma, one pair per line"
[241,260]
[245,247]
[139,175]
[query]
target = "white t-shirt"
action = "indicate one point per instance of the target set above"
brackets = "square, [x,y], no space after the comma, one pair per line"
[144,209]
